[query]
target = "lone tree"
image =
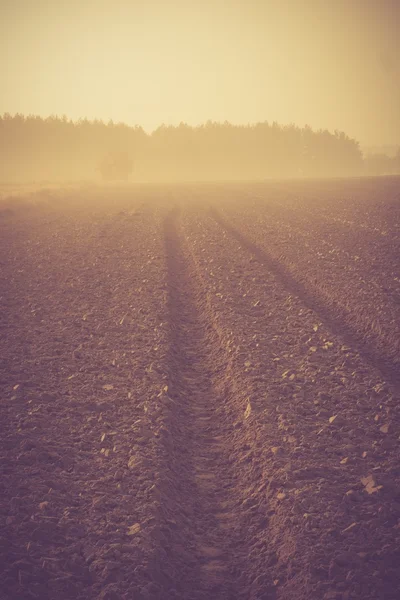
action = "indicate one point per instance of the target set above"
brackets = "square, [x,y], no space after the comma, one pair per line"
[116,166]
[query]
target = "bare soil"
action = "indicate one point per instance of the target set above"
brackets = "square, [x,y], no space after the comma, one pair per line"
[199,392]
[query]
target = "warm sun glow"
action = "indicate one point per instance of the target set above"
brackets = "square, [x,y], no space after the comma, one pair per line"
[328,64]
[199,299]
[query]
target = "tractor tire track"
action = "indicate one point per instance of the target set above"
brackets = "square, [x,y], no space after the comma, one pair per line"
[337,319]
[206,547]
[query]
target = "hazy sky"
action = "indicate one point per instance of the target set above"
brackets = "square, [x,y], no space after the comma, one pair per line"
[330,63]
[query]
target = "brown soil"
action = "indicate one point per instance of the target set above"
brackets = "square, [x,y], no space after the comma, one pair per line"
[193,404]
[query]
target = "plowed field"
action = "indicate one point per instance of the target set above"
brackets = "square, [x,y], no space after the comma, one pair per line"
[200,392]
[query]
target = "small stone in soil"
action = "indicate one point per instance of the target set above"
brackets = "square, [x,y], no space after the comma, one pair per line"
[134,529]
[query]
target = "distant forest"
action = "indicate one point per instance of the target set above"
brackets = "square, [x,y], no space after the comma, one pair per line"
[58,149]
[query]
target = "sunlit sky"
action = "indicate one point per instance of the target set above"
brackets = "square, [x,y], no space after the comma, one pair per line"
[329,63]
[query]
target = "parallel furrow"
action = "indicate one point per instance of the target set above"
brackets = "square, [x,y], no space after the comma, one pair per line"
[372,349]
[206,516]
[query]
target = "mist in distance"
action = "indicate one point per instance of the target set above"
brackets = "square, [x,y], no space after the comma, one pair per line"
[171,90]
[57,149]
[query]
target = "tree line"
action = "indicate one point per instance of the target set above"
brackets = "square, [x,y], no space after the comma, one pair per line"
[33,148]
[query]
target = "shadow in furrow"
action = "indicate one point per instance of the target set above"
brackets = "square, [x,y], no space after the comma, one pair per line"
[334,317]
[197,491]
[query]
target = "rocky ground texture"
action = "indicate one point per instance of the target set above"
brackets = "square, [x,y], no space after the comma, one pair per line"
[200,392]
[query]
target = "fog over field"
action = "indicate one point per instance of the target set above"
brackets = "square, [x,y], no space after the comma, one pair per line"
[199,300]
